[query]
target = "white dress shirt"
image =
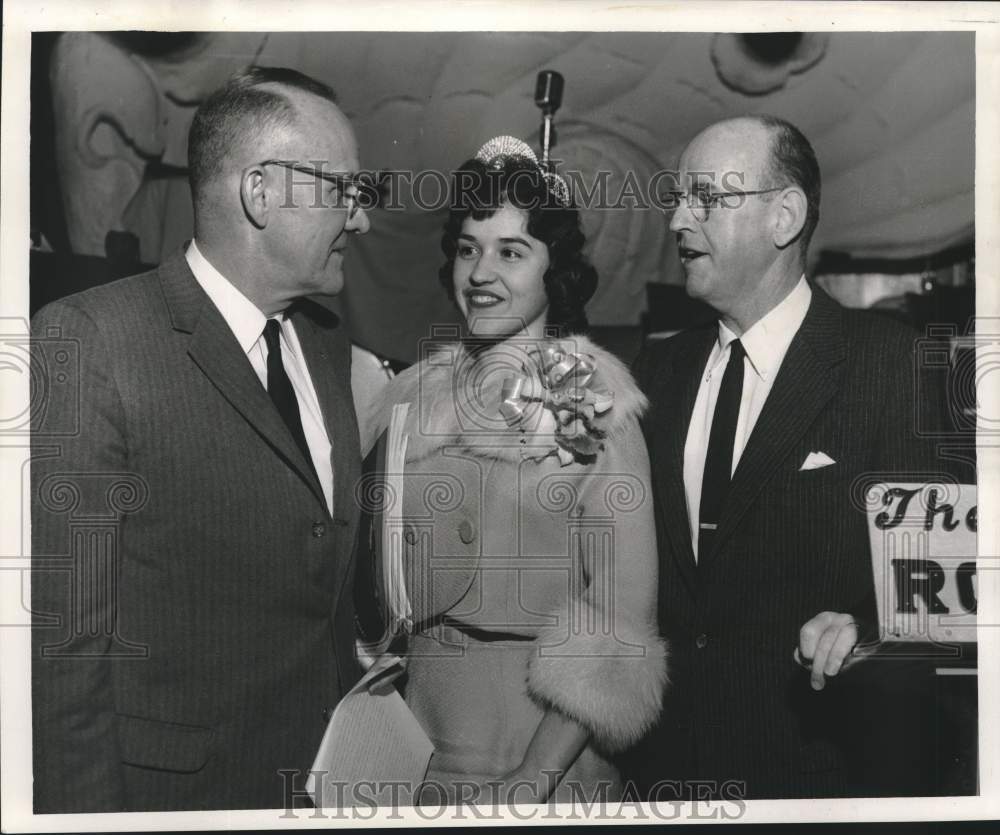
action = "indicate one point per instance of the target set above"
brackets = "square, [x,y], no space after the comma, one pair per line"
[247,324]
[765,343]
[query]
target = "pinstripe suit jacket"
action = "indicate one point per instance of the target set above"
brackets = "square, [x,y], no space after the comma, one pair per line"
[790,544]
[193,616]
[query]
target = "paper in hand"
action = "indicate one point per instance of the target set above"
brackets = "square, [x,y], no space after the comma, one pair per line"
[374,750]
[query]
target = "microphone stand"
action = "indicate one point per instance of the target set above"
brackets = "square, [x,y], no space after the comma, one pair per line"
[548,96]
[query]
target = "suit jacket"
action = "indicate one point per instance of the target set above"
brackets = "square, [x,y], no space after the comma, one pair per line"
[193,621]
[790,544]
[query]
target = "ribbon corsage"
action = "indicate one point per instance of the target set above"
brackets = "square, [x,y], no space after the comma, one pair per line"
[553,397]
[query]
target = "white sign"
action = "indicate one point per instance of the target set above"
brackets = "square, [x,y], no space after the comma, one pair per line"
[923,544]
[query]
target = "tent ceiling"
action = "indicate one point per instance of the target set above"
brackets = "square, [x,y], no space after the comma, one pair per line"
[891,116]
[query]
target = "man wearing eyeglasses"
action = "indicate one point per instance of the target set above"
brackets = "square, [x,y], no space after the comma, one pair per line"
[758,427]
[191,655]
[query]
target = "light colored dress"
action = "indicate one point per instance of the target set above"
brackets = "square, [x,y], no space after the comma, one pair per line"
[529,552]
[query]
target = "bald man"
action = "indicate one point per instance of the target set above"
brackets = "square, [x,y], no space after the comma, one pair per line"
[191,655]
[759,426]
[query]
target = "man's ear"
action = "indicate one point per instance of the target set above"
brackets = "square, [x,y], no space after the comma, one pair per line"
[792,208]
[254,196]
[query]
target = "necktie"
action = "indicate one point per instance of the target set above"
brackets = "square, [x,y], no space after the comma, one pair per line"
[279,387]
[719,457]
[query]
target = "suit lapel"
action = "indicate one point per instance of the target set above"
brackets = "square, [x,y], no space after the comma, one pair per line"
[808,379]
[331,380]
[669,425]
[327,356]
[214,349]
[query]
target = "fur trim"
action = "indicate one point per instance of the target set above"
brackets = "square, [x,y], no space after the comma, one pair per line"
[611,684]
[450,411]
[612,375]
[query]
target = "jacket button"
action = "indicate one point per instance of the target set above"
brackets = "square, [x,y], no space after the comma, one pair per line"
[319,529]
[327,713]
[466,532]
[701,641]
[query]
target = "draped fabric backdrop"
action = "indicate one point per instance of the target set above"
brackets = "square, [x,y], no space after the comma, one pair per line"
[891,116]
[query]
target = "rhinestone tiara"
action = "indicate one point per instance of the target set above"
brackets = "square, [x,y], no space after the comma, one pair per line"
[497,151]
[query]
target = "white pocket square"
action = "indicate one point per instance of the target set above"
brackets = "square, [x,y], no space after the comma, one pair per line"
[815,460]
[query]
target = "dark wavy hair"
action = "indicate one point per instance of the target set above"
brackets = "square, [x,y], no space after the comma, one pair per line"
[480,191]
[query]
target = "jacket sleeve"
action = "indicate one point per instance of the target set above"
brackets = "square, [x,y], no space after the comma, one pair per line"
[79,460]
[913,413]
[609,668]
[376,413]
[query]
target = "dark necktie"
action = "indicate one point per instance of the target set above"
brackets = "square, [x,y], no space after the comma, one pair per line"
[279,387]
[719,457]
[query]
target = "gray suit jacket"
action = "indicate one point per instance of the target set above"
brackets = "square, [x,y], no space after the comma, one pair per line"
[191,594]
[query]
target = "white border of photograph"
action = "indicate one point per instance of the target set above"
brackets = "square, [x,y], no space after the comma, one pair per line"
[21,17]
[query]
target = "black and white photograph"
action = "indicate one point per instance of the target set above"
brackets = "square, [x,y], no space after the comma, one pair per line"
[543,412]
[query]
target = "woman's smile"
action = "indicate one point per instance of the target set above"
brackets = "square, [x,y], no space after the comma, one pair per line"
[499,264]
[482,298]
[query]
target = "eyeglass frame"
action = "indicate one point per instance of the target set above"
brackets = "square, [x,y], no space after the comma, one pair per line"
[714,197]
[339,179]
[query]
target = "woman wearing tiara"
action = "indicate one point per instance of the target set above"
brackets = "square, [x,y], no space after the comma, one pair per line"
[526,523]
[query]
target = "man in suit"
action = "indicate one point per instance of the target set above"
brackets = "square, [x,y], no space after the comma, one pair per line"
[192,535]
[759,428]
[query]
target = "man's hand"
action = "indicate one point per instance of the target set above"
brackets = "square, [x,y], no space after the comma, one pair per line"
[383,673]
[825,644]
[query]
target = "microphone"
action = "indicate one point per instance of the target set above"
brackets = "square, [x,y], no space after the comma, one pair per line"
[548,96]
[548,91]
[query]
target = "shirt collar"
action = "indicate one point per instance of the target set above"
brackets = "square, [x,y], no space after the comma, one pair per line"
[766,341]
[244,318]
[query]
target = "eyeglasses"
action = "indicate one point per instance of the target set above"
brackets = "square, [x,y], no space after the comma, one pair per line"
[701,201]
[359,190]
